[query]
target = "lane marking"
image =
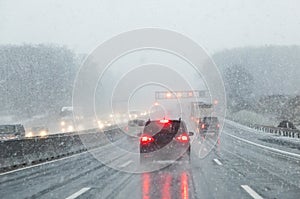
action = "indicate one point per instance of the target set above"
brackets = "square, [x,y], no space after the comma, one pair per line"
[218,162]
[78,193]
[126,163]
[251,192]
[265,147]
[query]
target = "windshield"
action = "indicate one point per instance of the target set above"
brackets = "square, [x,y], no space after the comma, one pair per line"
[149,99]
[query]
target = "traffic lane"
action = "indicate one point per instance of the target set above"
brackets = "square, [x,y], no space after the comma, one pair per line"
[272,175]
[278,161]
[171,182]
[211,178]
[71,176]
[203,178]
[263,138]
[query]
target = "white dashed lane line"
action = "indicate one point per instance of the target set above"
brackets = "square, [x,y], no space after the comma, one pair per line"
[78,193]
[251,192]
[126,163]
[218,162]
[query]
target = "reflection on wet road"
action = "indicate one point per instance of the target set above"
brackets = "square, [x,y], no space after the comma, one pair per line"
[166,185]
[230,169]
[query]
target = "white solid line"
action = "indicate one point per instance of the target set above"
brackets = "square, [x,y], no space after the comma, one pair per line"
[78,193]
[251,192]
[265,147]
[218,162]
[126,163]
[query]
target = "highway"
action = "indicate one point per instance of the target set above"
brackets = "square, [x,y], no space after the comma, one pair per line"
[243,164]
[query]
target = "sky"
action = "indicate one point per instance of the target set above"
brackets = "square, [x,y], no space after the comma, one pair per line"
[214,24]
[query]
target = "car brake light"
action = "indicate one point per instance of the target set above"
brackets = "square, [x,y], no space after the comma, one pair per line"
[146,139]
[203,126]
[164,121]
[183,138]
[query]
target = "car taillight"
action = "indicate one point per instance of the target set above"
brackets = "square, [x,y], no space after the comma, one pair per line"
[218,125]
[164,121]
[203,126]
[183,137]
[146,139]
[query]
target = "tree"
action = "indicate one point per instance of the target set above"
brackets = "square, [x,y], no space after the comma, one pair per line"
[36,79]
[239,88]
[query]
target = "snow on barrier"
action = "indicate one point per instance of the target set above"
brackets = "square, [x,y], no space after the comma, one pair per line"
[294,133]
[18,153]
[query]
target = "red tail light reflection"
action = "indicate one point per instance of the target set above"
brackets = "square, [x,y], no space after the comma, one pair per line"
[146,185]
[184,186]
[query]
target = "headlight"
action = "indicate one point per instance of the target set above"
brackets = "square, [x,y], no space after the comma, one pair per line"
[43,133]
[70,128]
[29,134]
[100,125]
[62,123]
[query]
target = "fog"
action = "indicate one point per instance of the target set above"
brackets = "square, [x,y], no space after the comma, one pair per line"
[214,24]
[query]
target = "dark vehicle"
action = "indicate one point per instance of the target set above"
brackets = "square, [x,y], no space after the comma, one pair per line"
[209,125]
[286,124]
[10,132]
[164,140]
[135,128]
[136,122]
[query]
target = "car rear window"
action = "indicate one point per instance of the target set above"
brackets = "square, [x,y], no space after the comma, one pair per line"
[171,127]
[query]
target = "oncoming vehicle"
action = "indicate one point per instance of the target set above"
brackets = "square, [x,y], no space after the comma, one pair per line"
[209,125]
[38,131]
[10,132]
[164,140]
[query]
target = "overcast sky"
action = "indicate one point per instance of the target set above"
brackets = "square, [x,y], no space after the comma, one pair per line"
[214,24]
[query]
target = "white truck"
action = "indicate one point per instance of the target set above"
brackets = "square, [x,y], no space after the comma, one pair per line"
[200,110]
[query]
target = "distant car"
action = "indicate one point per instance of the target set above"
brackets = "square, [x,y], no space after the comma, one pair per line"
[209,125]
[11,132]
[164,140]
[38,131]
[135,127]
[286,124]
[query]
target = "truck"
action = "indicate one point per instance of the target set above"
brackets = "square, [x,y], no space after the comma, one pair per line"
[12,132]
[199,110]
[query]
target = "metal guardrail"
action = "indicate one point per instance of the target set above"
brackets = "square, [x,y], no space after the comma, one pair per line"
[294,133]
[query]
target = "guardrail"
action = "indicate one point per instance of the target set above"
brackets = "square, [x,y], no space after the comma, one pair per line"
[18,153]
[294,133]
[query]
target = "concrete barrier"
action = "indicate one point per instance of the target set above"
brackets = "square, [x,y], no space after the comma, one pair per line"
[17,153]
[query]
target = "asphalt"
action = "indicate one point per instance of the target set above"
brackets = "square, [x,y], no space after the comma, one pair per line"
[242,164]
